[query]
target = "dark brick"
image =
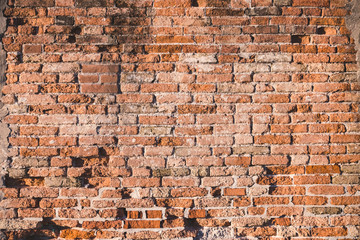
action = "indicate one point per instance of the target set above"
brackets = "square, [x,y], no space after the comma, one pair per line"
[263,11]
[65,20]
[95,3]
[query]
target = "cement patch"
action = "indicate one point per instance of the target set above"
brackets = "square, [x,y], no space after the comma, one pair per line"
[352,23]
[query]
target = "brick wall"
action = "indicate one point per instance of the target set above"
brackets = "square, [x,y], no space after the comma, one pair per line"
[187,119]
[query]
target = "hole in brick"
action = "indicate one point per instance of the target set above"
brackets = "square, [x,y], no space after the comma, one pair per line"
[71,39]
[300,39]
[192,224]
[194,3]
[15,21]
[216,192]
[102,152]
[121,213]
[34,30]
[296,39]
[126,193]
[76,30]
[320,30]
[77,162]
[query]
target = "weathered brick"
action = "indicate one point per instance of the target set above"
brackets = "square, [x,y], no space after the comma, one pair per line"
[179,119]
[325,232]
[326,190]
[17,224]
[61,67]
[37,192]
[68,233]
[35,3]
[324,210]
[350,179]
[285,211]
[309,200]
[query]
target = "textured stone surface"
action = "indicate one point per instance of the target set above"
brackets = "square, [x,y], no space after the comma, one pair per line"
[352,23]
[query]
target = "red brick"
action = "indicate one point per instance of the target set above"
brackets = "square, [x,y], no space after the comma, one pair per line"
[197,213]
[234,191]
[273,170]
[78,192]
[271,201]
[39,192]
[18,203]
[157,120]
[88,78]
[188,192]
[345,200]
[256,210]
[184,203]
[307,200]
[287,190]
[326,190]
[97,88]
[179,182]
[329,231]
[154,214]
[242,202]
[319,169]
[176,3]
[276,180]
[284,211]
[272,139]
[160,87]
[21,119]
[311,179]
[100,68]
[56,203]
[28,49]
[269,160]
[141,182]
[73,234]
[35,3]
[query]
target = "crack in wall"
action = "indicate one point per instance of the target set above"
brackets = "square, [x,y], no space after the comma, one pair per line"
[352,23]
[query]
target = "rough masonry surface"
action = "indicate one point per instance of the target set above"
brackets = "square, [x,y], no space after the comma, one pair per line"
[179,119]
